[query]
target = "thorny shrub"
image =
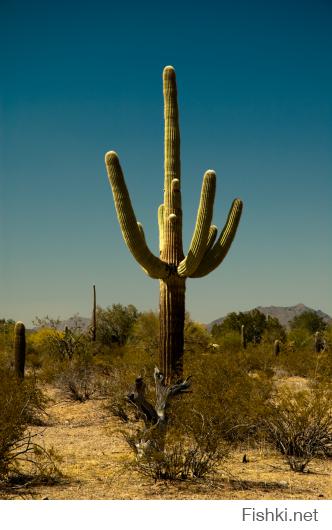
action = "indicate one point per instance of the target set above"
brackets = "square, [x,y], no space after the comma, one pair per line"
[224,406]
[231,393]
[78,380]
[193,449]
[21,405]
[300,425]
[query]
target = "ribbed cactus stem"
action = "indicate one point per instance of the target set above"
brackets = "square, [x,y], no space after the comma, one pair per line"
[172,163]
[19,349]
[161,227]
[127,220]
[276,347]
[94,316]
[218,252]
[200,237]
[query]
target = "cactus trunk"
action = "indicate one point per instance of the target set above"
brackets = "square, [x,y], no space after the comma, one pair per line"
[171,325]
[19,349]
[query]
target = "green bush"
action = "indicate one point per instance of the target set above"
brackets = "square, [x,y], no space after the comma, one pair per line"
[227,391]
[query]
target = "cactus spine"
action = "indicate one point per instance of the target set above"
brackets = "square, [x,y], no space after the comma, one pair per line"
[172,268]
[19,349]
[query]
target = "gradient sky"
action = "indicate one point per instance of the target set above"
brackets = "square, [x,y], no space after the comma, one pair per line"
[255,95]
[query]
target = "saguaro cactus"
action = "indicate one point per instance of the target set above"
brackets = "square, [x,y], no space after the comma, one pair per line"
[276,347]
[94,317]
[19,349]
[243,337]
[172,268]
[319,343]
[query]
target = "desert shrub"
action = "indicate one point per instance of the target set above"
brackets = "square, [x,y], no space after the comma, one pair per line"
[193,449]
[300,359]
[56,344]
[78,379]
[224,406]
[259,358]
[6,341]
[196,336]
[229,393]
[145,332]
[299,424]
[123,369]
[21,404]
[115,324]
[229,341]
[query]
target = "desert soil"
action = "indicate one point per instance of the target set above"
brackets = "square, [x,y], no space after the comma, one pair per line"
[94,464]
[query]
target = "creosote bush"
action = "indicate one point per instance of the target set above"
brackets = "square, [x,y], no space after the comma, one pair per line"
[229,393]
[21,405]
[78,380]
[300,425]
[193,449]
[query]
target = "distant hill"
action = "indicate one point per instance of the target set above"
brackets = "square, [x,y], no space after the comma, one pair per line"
[283,314]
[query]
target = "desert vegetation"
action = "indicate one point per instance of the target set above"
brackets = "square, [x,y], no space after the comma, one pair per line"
[242,404]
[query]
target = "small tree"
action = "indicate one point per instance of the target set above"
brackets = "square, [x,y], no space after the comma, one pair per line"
[309,321]
[114,324]
[255,325]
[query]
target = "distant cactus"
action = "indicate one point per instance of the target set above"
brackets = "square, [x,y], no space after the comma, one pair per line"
[243,337]
[94,317]
[172,268]
[19,349]
[319,343]
[276,347]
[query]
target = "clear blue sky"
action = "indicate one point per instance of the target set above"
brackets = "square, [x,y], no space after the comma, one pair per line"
[79,78]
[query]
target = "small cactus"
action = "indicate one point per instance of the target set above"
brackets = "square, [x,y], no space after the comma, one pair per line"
[243,337]
[19,349]
[94,317]
[319,344]
[276,347]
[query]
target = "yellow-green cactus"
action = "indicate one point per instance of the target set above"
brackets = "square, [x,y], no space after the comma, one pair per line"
[171,267]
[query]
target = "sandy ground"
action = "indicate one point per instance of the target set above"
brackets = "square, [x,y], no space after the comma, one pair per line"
[94,462]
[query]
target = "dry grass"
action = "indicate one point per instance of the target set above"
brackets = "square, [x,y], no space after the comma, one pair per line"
[94,463]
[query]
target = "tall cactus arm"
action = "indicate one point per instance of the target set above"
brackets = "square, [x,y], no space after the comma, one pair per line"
[172,164]
[172,251]
[200,237]
[217,253]
[131,232]
[161,226]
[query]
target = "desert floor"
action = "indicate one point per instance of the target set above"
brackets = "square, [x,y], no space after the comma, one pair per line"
[94,463]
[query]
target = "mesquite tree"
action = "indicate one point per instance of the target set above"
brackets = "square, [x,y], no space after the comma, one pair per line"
[172,268]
